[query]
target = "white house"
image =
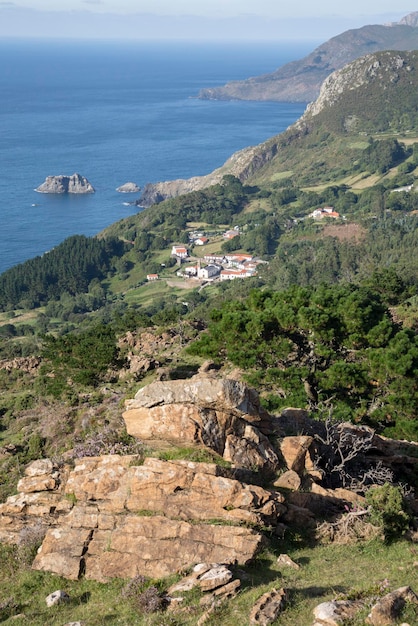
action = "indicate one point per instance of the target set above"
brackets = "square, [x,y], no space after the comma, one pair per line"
[232,274]
[209,271]
[179,251]
[230,234]
[201,241]
[327,211]
[238,260]
[215,258]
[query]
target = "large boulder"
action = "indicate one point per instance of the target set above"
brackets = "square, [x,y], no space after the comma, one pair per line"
[222,414]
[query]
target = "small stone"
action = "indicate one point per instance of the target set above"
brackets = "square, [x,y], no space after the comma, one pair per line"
[57,597]
[288,480]
[284,559]
[334,613]
[215,577]
[226,592]
[267,608]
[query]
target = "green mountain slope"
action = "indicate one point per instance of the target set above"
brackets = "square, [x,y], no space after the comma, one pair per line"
[374,96]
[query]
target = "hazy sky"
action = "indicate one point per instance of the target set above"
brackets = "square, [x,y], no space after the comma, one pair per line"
[235,19]
[227,8]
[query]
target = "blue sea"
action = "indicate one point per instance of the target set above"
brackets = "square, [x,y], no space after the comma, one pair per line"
[117,112]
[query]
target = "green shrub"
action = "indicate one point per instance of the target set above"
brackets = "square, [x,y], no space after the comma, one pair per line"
[388,510]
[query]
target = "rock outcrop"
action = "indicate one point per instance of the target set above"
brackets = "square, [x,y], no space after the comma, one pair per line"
[389,608]
[60,184]
[123,516]
[386,67]
[112,516]
[28,364]
[222,414]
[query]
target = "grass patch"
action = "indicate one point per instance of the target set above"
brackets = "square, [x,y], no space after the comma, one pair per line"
[213,247]
[281,175]
[259,204]
[194,454]
[198,225]
[326,572]
[148,293]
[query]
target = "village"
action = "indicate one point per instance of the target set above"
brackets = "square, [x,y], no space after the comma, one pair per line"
[212,266]
[221,266]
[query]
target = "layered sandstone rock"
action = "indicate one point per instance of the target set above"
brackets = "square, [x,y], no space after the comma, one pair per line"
[295,451]
[140,545]
[222,414]
[112,516]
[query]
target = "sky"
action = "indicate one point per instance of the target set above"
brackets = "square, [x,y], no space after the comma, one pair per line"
[193,19]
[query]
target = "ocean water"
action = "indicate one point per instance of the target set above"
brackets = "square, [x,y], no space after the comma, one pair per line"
[117,112]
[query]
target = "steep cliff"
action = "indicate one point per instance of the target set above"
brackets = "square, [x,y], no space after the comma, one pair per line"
[350,96]
[300,81]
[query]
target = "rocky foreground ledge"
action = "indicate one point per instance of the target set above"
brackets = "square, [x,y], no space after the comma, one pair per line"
[62,184]
[121,516]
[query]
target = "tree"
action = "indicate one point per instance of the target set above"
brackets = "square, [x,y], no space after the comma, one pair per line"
[327,344]
[78,358]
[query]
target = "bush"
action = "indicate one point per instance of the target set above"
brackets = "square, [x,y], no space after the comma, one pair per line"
[107,441]
[145,599]
[388,510]
[151,601]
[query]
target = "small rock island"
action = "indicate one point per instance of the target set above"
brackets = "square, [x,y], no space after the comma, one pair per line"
[128,188]
[66,184]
